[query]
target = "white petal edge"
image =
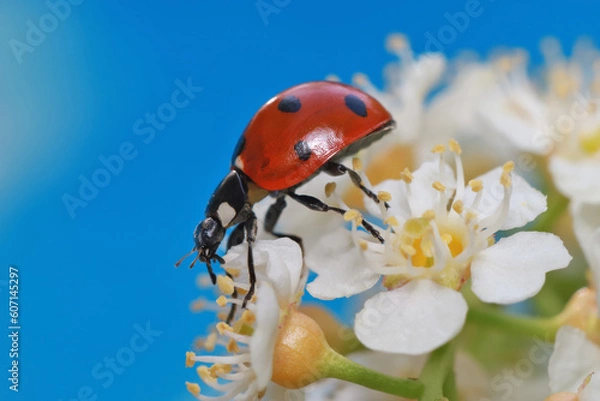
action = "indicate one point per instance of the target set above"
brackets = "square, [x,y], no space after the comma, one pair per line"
[573,359]
[586,224]
[576,180]
[262,342]
[526,202]
[342,270]
[591,391]
[412,320]
[514,269]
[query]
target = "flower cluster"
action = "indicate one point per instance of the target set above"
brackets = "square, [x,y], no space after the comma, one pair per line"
[470,238]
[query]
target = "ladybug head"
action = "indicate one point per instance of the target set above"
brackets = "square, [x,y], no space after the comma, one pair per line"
[227,207]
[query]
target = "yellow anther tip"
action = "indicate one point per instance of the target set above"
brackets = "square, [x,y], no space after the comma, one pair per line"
[189,359]
[454,146]
[205,373]
[221,301]
[330,188]
[396,42]
[384,196]
[391,221]
[406,175]
[364,245]
[438,186]
[360,79]
[508,166]
[248,317]
[222,327]
[458,206]
[357,164]
[438,149]
[505,180]
[193,388]
[225,284]
[476,185]
[352,214]
[197,305]
[232,347]
[429,214]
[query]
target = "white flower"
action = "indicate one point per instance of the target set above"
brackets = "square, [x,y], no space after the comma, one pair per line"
[247,366]
[586,224]
[573,360]
[440,234]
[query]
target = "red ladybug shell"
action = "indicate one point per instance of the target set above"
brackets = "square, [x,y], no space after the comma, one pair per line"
[296,132]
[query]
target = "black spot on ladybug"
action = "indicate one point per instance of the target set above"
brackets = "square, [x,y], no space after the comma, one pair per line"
[302,150]
[239,148]
[355,104]
[289,104]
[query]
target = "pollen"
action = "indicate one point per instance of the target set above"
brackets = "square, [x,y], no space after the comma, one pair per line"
[447,238]
[458,206]
[384,196]
[391,221]
[189,359]
[360,79]
[352,215]
[363,245]
[429,215]
[193,388]
[416,227]
[471,216]
[223,327]
[406,175]
[248,317]
[233,271]
[221,301]
[197,305]
[439,149]
[438,186]
[357,164]
[454,147]
[396,42]
[211,342]
[219,369]
[225,284]
[508,167]
[476,185]
[232,347]
[408,250]
[330,188]
[205,374]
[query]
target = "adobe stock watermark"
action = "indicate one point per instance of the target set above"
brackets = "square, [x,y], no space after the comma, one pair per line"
[38,30]
[105,371]
[505,383]
[458,23]
[144,129]
[265,8]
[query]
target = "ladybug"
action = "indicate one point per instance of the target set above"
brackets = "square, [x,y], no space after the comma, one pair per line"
[297,134]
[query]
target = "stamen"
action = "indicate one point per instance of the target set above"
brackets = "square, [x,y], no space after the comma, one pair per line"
[232,347]
[353,215]
[391,221]
[438,149]
[357,164]
[227,359]
[221,301]
[458,206]
[225,284]
[429,215]
[248,317]
[454,147]
[205,374]
[193,388]
[495,221]
[476,185]
[438,186]
[460,174]
[222,327]
[189,359]
[406,176]
[384,196]
[330,188]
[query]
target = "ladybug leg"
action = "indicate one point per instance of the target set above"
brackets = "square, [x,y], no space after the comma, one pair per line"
[336,169]
[251,230]
[272,217]
[315,204]
[235,238]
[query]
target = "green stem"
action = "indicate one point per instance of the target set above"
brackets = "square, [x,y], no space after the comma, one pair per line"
[340,367]
[545,328]
[438,375]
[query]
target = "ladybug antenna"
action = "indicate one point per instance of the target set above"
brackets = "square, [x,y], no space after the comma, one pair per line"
[184,257]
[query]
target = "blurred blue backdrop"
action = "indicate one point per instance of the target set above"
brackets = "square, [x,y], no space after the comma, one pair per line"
[80,81]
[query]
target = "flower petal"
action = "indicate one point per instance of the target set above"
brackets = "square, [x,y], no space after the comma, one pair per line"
[262,342]
[515,268]
[577,179]
[586,223]
[413,319]
[279,261]
[573,359]
[342,269]
[526,203]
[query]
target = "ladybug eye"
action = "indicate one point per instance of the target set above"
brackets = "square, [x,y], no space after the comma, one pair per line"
[355,104]
[289,104]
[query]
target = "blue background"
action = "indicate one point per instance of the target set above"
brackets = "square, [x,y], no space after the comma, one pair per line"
[86,280]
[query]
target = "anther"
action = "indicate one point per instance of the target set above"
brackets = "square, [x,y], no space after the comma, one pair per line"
[454,147]
[476,185]
[225,284]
